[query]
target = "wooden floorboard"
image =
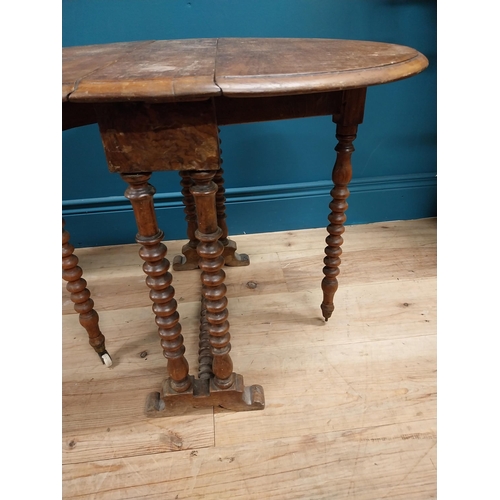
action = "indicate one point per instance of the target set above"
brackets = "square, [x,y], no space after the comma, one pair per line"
[350,404]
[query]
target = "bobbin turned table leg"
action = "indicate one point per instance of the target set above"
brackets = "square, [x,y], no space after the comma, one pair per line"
[213,291]
[218,386]
[231,257]
[153,252]
[347,120]
[80,296]
[189,258]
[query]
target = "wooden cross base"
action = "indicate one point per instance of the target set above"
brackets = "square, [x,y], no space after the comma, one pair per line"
[189,258]
[204,393]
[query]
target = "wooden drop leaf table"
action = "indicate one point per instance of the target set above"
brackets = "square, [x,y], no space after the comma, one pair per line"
[159,106]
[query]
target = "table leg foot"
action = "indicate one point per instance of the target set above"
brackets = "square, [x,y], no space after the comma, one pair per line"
[106,359]
[232,258]
[205,394]
[188,260]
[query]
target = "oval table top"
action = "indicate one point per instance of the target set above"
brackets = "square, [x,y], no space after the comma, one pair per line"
[196,69]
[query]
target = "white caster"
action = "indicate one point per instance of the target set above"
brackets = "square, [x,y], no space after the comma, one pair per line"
[106,359]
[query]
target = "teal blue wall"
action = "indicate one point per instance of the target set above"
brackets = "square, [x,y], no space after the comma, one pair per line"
[277,173]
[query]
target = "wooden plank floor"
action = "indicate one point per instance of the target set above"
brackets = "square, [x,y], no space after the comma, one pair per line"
[350,404]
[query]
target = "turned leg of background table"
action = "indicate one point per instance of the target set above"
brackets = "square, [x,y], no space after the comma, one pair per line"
[159,280]
[80,296]
[231,257]
[347,120]
[189,258]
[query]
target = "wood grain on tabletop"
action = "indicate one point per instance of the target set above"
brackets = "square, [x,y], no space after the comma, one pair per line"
[237,67]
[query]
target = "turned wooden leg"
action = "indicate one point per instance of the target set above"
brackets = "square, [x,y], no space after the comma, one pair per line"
[342,173]
[348,117]
[231,257]
[80,296]
[217,385]
[153,252]
[211,262]
[189,258]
